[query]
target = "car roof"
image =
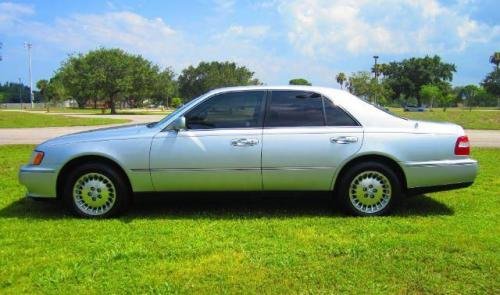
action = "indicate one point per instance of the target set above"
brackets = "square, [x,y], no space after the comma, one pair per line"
[280,87]
[364,112]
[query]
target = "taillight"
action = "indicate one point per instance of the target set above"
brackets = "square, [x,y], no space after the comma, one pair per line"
[462,147]
[37,159]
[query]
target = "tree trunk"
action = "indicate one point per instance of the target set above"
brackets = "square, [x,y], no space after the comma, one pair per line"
[419,102]
[95,103]
[112,105]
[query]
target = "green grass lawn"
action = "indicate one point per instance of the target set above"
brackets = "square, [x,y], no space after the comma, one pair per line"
[441,243]
[475,119]
[10,119]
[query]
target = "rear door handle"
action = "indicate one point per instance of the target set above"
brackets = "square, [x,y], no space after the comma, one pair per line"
[244,142]
[344,139]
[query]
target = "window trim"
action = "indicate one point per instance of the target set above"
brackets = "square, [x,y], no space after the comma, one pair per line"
[206,100]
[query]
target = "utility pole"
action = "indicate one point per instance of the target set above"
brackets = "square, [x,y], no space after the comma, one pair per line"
[29,46]
[20,96]
[375,67]
[1,45]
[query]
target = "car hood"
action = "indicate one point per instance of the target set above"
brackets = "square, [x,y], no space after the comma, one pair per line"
[111,133]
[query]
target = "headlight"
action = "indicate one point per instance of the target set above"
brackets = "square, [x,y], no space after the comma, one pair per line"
[37,158]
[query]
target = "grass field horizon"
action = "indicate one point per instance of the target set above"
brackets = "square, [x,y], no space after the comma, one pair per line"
[485,119]
[20,119]
[446,242]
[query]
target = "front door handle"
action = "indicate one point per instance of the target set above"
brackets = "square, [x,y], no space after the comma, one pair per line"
[244,142]
[344,139]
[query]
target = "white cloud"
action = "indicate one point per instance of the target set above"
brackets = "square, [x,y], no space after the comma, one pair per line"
[12,12]
[151,37]
[224,5]
[244,32]
[331,27]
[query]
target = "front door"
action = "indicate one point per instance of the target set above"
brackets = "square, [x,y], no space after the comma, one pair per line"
[305,138]
[219,151]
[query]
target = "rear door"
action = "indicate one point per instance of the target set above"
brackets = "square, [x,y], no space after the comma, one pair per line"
[305,138]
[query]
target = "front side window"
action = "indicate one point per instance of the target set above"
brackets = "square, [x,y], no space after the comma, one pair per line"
[295,108]
[228,110]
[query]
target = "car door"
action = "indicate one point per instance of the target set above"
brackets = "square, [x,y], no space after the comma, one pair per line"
[220,150]
[305,138]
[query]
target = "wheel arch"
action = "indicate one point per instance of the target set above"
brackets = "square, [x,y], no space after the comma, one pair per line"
[86,159]
[386,160]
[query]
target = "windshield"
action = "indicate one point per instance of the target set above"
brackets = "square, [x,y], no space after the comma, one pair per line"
[174,113]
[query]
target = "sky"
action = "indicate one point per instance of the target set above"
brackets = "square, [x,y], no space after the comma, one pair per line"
[277,39]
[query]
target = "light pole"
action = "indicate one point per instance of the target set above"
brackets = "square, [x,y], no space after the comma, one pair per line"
[29,46]
[375,68]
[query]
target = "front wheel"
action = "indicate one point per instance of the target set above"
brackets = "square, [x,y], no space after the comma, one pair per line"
[94,190]
[369,189]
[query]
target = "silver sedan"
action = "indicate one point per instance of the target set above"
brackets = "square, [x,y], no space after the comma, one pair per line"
[292,138]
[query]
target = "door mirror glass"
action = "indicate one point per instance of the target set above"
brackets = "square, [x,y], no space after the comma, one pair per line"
[178,124]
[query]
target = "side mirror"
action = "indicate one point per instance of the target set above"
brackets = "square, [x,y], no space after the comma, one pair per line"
[178,124]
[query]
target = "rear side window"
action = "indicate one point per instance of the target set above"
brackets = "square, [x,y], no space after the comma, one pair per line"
[302,108]
[228,110]
[335,116]
[295,108]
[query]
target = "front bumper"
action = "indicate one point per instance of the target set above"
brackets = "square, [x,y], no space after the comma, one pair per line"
[440,173]
[40,182]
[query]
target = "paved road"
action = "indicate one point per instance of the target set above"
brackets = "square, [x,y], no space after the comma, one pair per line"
[484,138]
[38,135]
[479,138]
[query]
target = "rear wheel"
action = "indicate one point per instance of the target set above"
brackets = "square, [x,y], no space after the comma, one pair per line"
[95,190]
[369,189]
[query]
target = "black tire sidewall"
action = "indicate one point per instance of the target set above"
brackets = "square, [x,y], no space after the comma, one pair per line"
[122,189]
[351,173]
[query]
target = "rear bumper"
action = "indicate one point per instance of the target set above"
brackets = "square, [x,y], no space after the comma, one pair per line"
[40,182]
[440,174]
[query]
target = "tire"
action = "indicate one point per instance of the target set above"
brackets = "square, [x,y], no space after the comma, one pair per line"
[95,190]
[369,189]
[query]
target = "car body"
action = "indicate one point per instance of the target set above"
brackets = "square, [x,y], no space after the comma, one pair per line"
[256,138]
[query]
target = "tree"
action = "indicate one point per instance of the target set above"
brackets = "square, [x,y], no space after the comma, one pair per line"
[341,79]
[176,102]
[495,59]
[407,76]
[42,86]
[445,100]
[491,84]
[299,81]
[365,86]
[55,90]
[165,87]
[430,93]
[111,75]
[468,93]
[12,91]
[206,76]
[75,75]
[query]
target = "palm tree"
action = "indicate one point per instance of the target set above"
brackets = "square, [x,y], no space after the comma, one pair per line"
[341,78]
[495,59]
